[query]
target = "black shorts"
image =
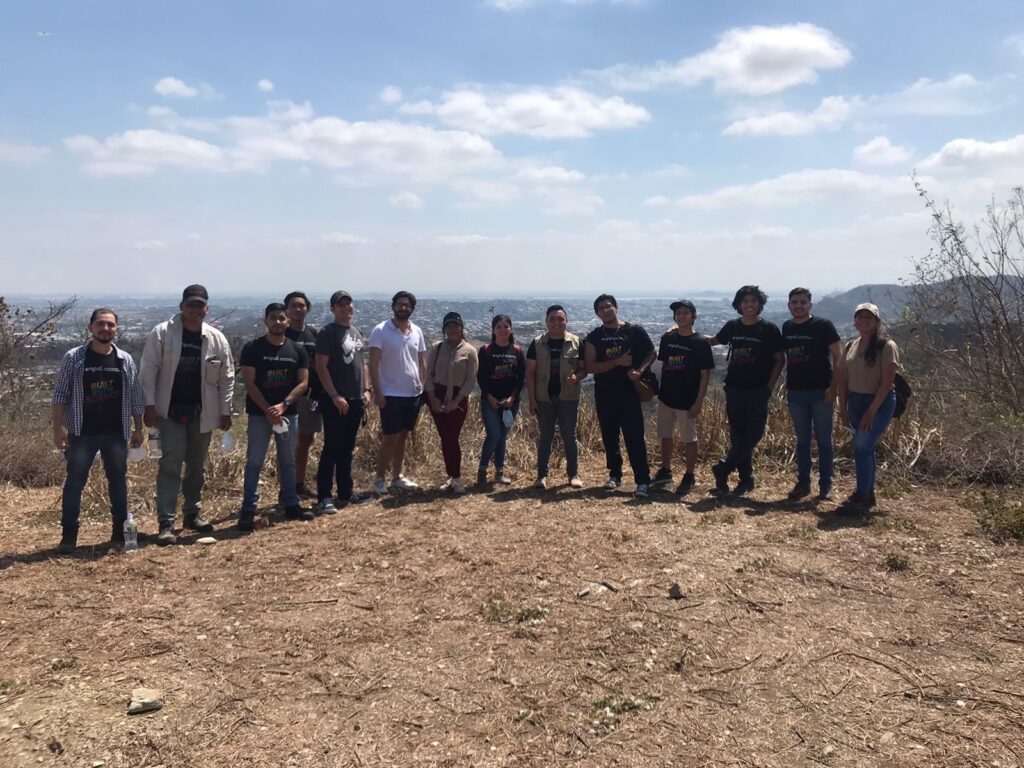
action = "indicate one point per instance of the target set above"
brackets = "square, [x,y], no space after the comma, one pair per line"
[399,414]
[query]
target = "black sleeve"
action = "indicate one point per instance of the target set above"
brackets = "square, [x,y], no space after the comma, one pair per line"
[707,357]
[483,370]
[662,352]
[831,335]
[300,350]
[642,342]
[724,336]
[531,352]
[777,343]
[520,370]
[323,341]
[248,356]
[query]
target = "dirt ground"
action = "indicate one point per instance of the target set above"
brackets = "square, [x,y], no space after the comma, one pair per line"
[519,629]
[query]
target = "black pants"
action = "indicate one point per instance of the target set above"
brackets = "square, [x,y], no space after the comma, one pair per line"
[747,411]
[339,443]
[620,410]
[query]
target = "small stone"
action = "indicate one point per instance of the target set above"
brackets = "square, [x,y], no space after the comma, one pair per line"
[145,700]
[827,750]
[206,540]
[675,592]
[98,763]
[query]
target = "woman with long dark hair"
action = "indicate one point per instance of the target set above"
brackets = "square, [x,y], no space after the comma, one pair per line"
[451,374]
[501,375]
[867,399]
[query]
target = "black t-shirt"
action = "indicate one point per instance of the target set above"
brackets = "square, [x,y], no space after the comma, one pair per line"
[627,339]
[307,338]
[188,377]
[502,371]
[555,347]
[344,349]
[808,362]
[683,358]
[752,351]
[277,371]
[102,388]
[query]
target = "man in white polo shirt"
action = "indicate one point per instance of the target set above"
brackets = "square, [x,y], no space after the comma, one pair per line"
[398,368]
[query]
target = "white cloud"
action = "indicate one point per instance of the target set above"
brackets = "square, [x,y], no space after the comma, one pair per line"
[137,153]
[149,245]
[390,94]
[831,114]
[657,201]
[267,86]
[670,171]
[975,154]
[461,239]
[159,112]
[563,112]
[1016,42]
[408,200]
[21,154]
[343,238]
[289,111]
[755,60]
[518,5]
[958,95]
[801,187]
[173,87]
[567,201]
[880,151]
[549,174]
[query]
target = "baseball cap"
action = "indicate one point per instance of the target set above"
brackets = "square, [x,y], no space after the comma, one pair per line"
[195,292]
[339,296]
[868,307]
[683,303]
[452,317]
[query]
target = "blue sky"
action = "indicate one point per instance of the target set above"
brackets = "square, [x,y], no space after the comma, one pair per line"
[495,147]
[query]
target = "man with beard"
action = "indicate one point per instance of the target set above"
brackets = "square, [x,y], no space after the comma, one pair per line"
[308,405]
[96,399]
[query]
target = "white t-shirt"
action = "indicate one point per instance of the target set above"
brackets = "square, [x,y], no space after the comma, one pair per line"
[399,358]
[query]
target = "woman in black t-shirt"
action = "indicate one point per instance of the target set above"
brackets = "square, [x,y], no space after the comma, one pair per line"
[501,375]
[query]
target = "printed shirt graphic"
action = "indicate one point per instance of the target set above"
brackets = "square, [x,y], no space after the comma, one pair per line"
[501,370]
[277,371]
[683,358]
[187,387]
[808,362]
[307,338]
[752,351]
[610,345]
[102,388]
[344,349]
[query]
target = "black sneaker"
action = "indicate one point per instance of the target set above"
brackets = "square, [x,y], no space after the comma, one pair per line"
[198,523]
[825,493]
[662,477]
[298,512]
[68,542]
[166,536]
[800,490]
[246,521]
[687,484]
[117,535]
[481,476]
[743,487]
[359,497]
[721,479]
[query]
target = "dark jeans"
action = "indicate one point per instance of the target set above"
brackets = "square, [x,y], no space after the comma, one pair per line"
[339,444]
[496,434]
[566,414]
[747,411]
[865,440]
[621,411]
[812,414]
[449,427]
[81,451]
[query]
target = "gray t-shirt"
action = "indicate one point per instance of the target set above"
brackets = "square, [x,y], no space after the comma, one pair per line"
[343,348]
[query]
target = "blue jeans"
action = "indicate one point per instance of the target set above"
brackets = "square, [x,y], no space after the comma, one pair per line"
[81,451]
[496,434]
[566,414]
[864,441]
[258,434]
[811,412]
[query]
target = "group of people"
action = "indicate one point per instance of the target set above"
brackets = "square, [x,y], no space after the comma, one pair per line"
[299,382]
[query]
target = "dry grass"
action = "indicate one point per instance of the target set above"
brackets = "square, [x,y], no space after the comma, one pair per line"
[516,629]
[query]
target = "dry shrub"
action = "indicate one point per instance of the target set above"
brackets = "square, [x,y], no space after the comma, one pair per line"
[27,456]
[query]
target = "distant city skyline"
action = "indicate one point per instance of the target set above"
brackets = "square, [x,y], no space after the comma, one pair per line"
[516,147]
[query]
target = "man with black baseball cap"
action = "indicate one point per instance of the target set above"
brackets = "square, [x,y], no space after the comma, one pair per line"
[187,377]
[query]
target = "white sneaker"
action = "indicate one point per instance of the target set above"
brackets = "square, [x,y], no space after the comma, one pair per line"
[447,485]
[458,486]
[380,488]
[612,484]
[540,483]
[500,478]
[403,483]
[575,482]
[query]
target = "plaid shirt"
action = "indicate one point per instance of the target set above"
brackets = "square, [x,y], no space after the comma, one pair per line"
[68,390]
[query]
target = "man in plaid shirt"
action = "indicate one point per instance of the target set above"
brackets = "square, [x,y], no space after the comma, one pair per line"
[96,399]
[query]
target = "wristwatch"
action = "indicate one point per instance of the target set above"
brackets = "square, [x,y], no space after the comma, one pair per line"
[287,403]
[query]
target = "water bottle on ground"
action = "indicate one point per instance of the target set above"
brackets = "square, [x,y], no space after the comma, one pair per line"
[227,443]
[131,534]
[155,451]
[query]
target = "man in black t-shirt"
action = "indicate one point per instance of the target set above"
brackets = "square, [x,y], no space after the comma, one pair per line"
[308,405]
[755,362]
[812,355]
[275,371]
[618,353]
[686,363]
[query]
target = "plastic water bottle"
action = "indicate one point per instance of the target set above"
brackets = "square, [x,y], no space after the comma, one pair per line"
[131,534]
[155,451]
[227,443]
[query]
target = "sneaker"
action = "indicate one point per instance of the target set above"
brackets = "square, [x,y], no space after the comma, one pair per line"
[403,483]
[166,536]
[643,490]
[447,485]
[825,493]
[540,483]
[800,490]
[380,488]
[663,477]
[687,484]
[458,486]
[298,512]
[500,478]
[869,502]
[304,493]
[358,497]
[481,476]
[721,479]
[325,507]
[117,535]
[198,523]
[612,483]
[246,521]
[575,482]
[744,487]
[68,542]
